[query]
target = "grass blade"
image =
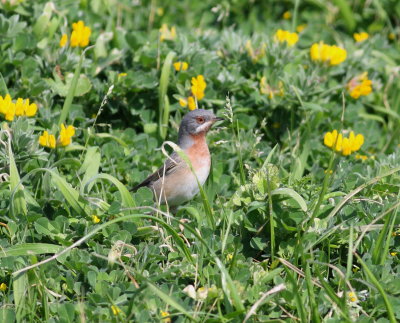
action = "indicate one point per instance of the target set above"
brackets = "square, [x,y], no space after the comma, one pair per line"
[70,194]
[127,199]
[163,102]
[18,203]
[170,301]
[20,288]
[295,291]
[375,282]
[72,89]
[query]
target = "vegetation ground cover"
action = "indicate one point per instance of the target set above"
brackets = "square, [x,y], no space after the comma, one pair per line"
[298,220]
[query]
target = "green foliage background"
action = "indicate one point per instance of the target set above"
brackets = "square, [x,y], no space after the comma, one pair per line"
[273,237]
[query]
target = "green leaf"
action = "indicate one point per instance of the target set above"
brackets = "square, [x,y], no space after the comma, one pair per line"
[91,165]
[28,249]
[292,194]
[347,14]
[62,88]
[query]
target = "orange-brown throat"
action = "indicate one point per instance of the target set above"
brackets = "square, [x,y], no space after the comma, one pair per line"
[198,152]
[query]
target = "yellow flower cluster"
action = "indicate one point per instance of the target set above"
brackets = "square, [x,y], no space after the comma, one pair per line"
[95,218]
[79,37]
[257,54]
[362,157]
[352,297]
[190,102]
[49,140]
[66,134]
[265,88]
[21,107]
[286,36]
[197,88]
[301,27]
[3,287]
[360,37]
[115,309]
[181,66]
[166,33]
[334,55]
[343,145]
[359,86]
[287,15]
[165,317]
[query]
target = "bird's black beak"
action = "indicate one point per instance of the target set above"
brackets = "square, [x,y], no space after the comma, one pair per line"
[218,119]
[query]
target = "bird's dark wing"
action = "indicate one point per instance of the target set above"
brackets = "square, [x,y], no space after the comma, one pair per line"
[168,168]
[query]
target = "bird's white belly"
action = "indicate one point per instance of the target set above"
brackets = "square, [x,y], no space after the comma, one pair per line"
[189,188]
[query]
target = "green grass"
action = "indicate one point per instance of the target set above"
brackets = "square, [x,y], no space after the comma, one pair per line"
[283,230]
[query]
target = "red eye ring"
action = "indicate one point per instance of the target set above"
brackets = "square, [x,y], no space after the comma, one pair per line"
[200,120]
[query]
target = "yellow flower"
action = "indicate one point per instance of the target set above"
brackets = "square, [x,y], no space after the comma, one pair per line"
[19,107]
[122,74]
[63,40]
[95,218]
[47,140]
[229,256]
[5,104]
[276,125]
[352,297]
[181,66]
[265,88]
[301,27]
[7,107]
[115,309]
[287,15]
[286,36]
[392,36]
[343,145]
[198,87]
[166,33]
[183,102]
[165,317]
[30,109]
[257,54]
[334,55]
[80,34]
[393,254]
[362,157]
[192,103]
[10,114]
[3,287]
[359,86]
[360,37]
[66,134]
[160,11]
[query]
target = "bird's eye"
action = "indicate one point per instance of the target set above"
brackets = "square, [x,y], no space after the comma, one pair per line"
[200,120]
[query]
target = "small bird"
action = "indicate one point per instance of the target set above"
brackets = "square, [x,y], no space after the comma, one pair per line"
[174,183]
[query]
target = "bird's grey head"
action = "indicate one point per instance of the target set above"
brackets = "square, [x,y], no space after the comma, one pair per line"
[196,122]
